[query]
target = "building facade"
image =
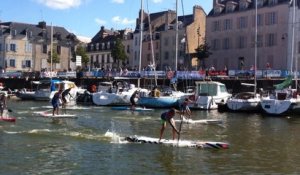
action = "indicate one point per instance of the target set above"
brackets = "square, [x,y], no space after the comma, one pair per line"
[159,39]
[230,33]
[101,45]
[26,47]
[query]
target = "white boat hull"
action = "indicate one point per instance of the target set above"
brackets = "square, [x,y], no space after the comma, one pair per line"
[252,104]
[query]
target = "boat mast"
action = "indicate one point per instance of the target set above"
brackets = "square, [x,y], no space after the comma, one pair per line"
[51,50]
[293,44]
[176,37]
[141,40]
[152,48]
[255,49]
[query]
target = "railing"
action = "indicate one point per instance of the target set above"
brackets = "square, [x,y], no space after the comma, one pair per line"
[193,75]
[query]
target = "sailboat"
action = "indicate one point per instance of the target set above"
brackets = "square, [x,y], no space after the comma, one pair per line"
[284,99]
[170,98]
[247,101]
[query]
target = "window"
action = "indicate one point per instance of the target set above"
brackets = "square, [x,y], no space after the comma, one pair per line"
[242,22]
[271,40]
[1,47]
[259,41]
[241,42]
[272,2]
[58,50]
[27,63]
[13,47]
[44,49]
[166,43]
[12,63]
[260,3]
[166,57]
[28,47]
[108,58]
[271,18]
[128,49]
[215,44]
[148,57]
[216,26]
[226,44]
[149,46]
[227,24]
[259,20]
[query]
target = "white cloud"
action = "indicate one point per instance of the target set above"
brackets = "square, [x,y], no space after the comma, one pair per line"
[100,21]
[118,1]
[61,4]
[124,21]
[157,1]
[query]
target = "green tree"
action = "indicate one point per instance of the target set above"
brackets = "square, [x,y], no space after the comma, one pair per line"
[118,52]
[80,51]
[55,57]
[202,52]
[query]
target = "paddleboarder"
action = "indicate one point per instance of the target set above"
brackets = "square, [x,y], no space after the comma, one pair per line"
[56,101]
[133,99]
[64,96]
[168,117]
[184,108]
[3,102]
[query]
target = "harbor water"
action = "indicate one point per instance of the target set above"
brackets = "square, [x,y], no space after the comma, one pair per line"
[90,144]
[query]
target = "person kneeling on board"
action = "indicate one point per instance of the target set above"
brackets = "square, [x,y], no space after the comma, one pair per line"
[56,100]
[168,117]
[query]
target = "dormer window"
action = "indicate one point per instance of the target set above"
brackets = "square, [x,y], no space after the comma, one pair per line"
[230,6]
[273,2]
[218,9]
[244,4]
[260,3]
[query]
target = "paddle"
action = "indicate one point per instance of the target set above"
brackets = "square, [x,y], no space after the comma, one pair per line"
[181,116]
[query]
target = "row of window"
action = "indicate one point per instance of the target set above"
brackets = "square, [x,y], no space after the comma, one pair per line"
[243,5]
[268,40]
[12,63]
[104,58]
[13,47]
[271,18]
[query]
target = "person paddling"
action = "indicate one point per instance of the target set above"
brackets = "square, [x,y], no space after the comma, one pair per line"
[133,99]
[168,117]
[55,101]
[64,96]
[184,108]
[3,102]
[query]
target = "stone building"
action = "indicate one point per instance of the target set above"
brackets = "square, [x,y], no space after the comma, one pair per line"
[99,49]
[230,33]
[159,39]
[26,47]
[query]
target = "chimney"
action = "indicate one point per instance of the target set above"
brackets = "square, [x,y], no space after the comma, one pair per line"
[42,25]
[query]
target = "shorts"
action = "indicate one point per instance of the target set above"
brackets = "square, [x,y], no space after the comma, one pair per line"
[132,101]
[55,105]
[163,118]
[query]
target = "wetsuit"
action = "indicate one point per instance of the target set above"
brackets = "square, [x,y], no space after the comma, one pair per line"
[65,93]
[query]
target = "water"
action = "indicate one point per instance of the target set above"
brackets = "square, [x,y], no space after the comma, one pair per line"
[35,145]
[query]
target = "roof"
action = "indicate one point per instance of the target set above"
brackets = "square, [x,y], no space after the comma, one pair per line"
[38,32]
[251,6]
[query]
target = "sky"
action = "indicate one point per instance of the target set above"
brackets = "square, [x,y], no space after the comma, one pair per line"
[85,17]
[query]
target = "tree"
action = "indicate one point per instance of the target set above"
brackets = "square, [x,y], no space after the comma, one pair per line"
[55,57]
[202,52]
[80,51]
[118,51]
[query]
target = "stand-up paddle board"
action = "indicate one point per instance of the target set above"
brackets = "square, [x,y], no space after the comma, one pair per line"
[129,108]
[49,115]
[202,121]
[181,143]
[67,107]
[8,119]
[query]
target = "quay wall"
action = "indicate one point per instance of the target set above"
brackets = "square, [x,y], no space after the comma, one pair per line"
[233,85]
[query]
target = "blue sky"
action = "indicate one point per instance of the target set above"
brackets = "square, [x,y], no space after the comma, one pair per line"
[84,17]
